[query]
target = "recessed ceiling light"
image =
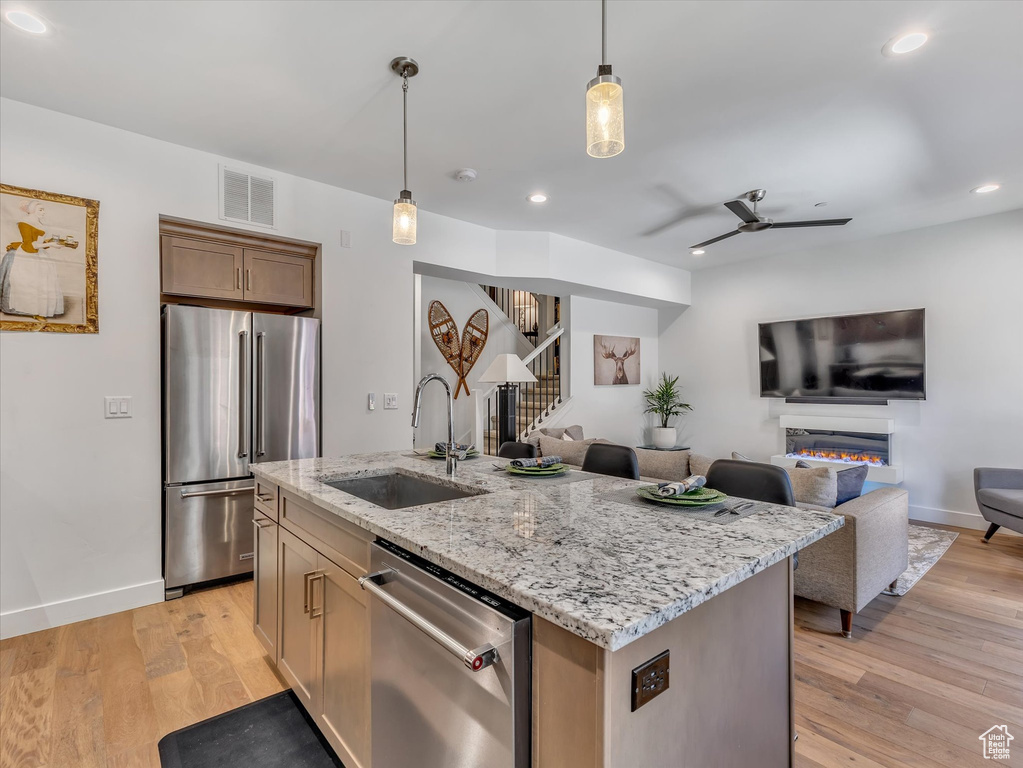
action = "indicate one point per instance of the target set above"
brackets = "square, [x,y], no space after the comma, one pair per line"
[698,252]
[537,197]
[26,22]
[904,43]
[983,189]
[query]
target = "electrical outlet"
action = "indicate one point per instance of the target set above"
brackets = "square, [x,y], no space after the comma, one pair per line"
[650,680]
[390,401]
[117,407]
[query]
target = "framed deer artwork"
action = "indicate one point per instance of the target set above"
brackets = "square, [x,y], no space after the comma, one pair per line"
[615,360]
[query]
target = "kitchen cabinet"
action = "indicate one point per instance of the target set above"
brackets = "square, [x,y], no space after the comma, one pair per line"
[344,717]
[322,640]
[264,608]
[205,262]
[300,628]
[278,278]
[201,268]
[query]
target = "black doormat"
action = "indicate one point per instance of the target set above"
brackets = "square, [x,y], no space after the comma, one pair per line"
[274,732]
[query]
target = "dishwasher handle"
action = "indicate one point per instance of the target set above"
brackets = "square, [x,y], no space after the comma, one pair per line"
[475,659]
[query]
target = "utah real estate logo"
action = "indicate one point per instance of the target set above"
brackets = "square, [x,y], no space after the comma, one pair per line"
[996,742]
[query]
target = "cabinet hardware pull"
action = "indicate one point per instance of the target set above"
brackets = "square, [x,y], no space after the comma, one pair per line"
[248,279]
[238,279]
[265,497]
[316,611]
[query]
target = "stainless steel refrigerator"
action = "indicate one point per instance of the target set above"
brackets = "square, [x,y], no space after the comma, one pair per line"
[238,387]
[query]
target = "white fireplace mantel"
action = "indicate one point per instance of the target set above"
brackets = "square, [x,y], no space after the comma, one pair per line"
[839,424]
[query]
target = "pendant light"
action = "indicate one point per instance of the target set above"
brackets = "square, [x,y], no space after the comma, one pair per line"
[403,228]
[605,113]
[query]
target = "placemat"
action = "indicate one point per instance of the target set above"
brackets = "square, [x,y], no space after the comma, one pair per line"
[705,514]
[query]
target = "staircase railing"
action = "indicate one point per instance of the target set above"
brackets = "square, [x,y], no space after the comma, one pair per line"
[521,307]
[537,400]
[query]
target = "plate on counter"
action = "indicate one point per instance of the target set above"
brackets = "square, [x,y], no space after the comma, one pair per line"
[550,471]
[701,497]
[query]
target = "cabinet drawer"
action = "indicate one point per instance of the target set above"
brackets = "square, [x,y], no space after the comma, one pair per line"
[266,498]
[340,541]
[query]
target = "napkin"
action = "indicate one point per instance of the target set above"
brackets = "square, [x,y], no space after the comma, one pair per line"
[691,483]
[542,462]
[458,447]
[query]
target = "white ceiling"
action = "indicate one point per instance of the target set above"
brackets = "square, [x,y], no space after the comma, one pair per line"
[721,97]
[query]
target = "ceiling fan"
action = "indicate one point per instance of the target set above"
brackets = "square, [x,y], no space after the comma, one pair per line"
[753,222]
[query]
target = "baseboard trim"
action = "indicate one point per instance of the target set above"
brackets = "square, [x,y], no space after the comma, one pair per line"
[971,520]
[56,614]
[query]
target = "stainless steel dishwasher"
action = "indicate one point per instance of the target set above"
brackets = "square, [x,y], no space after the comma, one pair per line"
[450,668]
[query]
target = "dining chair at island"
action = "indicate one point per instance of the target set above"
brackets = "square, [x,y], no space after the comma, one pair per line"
[613,460]
[513,450]
[508,371]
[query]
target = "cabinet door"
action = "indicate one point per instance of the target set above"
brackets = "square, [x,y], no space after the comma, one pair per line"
[300,625]
[264,608]
[345,717]
[277,278]
[199,268]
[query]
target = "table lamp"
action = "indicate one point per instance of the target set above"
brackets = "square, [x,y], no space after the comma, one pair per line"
[507,371]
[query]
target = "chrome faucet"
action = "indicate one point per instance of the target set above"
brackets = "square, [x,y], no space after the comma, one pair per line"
[451,455]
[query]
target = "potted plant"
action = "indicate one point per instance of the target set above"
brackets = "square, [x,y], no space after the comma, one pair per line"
[666,402]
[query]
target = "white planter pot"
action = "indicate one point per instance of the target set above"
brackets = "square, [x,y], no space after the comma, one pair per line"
[665,438]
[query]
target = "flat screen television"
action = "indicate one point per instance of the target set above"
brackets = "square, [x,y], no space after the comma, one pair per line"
[871,357]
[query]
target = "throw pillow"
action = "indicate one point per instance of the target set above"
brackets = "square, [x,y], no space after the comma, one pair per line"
[576,431]
[816,485]
[699,464]
[567,437]
[663,465]
[850,481]
[740,457]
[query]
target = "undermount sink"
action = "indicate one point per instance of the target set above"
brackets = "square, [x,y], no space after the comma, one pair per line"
[397,490]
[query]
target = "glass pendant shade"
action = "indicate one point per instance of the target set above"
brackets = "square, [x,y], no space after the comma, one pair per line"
[605,117]
[404,226]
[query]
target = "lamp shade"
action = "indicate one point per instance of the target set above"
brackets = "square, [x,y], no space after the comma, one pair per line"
[507,368]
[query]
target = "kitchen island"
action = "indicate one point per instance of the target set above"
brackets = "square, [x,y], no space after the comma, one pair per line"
[611,585]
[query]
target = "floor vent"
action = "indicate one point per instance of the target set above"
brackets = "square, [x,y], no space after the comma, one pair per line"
[247,198]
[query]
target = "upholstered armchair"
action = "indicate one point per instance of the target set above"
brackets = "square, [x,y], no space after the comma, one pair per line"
[1000,498]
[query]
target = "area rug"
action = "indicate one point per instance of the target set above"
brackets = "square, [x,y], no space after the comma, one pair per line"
[274,732]
[926,546]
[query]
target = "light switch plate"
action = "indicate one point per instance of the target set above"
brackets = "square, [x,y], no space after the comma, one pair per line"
[371,401]
[346,238]
[390,401]
[117,407]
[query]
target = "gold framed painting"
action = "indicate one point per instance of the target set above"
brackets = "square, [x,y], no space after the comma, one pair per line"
[48,271]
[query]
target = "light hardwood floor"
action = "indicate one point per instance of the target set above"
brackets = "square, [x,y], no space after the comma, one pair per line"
[922,678]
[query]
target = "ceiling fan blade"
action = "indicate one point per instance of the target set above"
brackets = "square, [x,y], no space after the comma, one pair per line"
[714,240]
[740,209]
[818,223]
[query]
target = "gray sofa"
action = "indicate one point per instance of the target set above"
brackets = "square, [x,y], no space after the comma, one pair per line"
[1000,498]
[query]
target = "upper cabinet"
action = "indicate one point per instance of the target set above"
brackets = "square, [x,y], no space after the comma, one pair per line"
[277,278]
[199,268]
[205,262]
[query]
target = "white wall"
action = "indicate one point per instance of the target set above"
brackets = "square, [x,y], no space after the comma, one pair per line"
[611,412]
[967,275]
[461,301]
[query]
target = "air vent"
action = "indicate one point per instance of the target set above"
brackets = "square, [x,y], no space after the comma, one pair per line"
[247,198]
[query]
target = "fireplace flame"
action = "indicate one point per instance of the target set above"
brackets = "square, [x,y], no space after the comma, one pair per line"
[840,456]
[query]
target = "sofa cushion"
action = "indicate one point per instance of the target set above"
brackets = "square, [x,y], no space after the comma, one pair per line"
[663,465]
[570,451]
[699,464]
[575,432]
[818,486]
[1007,500]
[850,481]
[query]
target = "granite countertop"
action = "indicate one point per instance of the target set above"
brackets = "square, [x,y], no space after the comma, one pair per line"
[607,571]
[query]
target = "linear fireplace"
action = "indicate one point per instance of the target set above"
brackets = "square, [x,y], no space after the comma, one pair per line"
[838,446]
[841,441]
